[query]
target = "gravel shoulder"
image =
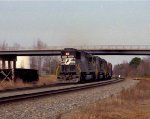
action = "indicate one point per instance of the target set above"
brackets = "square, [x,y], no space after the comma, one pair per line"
[50,107]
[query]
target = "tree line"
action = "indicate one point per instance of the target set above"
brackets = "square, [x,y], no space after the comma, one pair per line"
[137,67]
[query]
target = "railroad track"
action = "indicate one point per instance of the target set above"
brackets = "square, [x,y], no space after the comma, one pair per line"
[18,95]
[31,88]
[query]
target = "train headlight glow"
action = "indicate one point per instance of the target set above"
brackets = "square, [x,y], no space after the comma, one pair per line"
[67,53]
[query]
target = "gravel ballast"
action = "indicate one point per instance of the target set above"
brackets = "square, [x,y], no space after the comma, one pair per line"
[49,107]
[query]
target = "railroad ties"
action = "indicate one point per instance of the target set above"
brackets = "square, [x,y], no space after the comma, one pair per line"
[14,95]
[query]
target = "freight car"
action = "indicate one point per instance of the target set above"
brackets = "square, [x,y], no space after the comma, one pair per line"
[17,68]
[80,66]
[26,75]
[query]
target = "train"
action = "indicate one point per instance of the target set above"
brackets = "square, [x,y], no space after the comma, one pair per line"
[78,66]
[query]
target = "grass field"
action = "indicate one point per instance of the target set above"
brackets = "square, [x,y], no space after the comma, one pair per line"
[129,104]
[44,80]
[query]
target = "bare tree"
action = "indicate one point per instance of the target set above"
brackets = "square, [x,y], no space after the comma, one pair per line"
[45,64]
[3,46]
[16,46]
[141,70]
[36,62]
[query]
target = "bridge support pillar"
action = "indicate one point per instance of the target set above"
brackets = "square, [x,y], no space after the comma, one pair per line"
[3,64]
[7,69]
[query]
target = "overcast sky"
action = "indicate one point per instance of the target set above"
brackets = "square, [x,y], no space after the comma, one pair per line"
[75,22]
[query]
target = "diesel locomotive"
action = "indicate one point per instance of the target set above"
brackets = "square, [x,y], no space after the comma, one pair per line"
[80,66]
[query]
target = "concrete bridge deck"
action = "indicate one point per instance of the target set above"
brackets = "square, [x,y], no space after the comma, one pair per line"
[95,50]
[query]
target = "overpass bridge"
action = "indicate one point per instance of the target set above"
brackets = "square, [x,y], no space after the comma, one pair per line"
[10,54]
[95,50]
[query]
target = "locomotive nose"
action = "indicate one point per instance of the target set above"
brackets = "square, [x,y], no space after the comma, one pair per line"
[68,68]
[68,77]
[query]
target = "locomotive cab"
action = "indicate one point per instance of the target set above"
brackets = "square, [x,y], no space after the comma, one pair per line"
[69,60]
[69,65]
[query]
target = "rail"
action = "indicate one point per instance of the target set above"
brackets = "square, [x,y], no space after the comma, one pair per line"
[61,89]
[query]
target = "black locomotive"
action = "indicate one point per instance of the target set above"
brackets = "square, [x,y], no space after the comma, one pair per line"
[80,66]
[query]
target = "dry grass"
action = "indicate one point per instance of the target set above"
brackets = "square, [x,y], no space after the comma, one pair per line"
[44,80]
[139,78]
[11,85]
[130,104]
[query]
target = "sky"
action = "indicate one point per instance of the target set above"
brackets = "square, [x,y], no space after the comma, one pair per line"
[75,23]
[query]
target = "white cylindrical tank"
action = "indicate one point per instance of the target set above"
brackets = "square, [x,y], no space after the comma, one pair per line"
[23,62]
